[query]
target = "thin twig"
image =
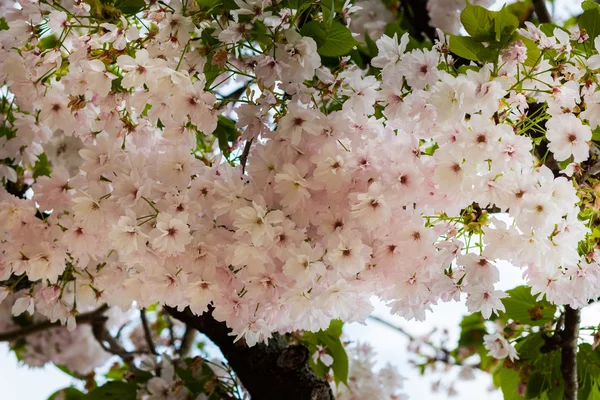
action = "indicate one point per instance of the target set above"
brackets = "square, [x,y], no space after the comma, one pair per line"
[84,318]
[147,332]
[235,94]
[405,333]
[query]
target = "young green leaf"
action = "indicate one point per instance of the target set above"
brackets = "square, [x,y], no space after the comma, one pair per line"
[505,24]
[130,7]
[226,132]
[524,308]
[478,22]
[590,5]
[507,380]
[113,391]
[315,30]
[468,48]
[590,21]
[339,41]
[69,393]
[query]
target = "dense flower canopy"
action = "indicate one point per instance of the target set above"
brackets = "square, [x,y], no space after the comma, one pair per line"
[242,161]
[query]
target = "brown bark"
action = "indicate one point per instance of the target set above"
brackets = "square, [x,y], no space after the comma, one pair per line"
[568,364]
[272,371]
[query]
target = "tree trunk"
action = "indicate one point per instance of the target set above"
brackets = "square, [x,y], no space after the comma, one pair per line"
[568,364]
[268,372]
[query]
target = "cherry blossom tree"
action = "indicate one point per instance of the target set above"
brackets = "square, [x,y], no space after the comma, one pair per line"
[259,171]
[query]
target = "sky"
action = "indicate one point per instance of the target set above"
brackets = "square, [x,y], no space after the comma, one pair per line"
[19,382]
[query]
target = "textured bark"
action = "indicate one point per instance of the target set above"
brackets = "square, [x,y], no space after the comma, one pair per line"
[568,364]
[268,372]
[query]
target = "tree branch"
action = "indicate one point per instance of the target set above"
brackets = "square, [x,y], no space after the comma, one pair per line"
[568,364]
[441,354]
[542,11]
[84,318]
[109,343]
[270,371]
[186,341]
[147,332]
[244,156]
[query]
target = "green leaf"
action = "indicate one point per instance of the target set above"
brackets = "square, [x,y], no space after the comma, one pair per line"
[141,376]
[339,41]
[588,369]
[394,28]
[295,4]
[211,72]
[563,164]
[3,24]
[328,10]
[533,51]
[523,308]
[42,166]
[472,330]
[116,372]
[113,391]
[590,5]
[335,328]
[596,134]
[505,24]
[195,382]
[315,30]
[478,22]
[590,21]
[529,347]
[210,6]
[70,373]
[469,48]
[69,393]
[48,42]
[226,132]
[130,7]
[330,339]
[371,46]
[507,380]
[340,358]
[545,378]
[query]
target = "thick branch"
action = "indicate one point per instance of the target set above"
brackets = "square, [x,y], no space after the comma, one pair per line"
[269,372]
[42,326]
[568,364]
[541,10]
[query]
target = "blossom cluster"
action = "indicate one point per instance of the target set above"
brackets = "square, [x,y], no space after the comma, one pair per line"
[77,349]
[367,382]
[351,183]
